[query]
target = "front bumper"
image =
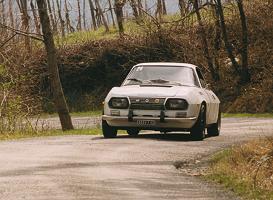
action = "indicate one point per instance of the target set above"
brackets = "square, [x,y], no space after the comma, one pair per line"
[169,123]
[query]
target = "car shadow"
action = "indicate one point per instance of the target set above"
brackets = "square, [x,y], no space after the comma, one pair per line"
[175,137]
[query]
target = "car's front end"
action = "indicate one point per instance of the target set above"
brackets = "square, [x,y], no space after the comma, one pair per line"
[151,111]
[157,96]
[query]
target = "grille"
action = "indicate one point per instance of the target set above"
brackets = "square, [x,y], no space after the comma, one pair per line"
[147,103]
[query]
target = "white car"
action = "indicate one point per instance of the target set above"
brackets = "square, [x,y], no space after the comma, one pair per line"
[163,97]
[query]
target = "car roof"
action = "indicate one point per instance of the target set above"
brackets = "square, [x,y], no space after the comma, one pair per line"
[168,64]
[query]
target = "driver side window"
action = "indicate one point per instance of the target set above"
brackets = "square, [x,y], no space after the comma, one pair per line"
[201,78]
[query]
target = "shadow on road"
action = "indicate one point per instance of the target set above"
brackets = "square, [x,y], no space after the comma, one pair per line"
[175,137]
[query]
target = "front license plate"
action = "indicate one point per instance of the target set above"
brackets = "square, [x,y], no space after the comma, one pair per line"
[146,122]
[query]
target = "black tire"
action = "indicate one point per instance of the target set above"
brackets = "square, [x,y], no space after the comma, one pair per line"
[214,129]
[198,130]
[133,132]
[108,131]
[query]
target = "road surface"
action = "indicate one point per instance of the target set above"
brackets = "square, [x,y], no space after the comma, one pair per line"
[90,167]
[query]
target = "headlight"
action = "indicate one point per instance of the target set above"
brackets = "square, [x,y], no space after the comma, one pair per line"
[121,103]
[176,104]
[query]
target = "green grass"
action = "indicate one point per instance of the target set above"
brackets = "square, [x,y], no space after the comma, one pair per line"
[21,135]
[257,115]
[80,37]
[54,132]
[31,134]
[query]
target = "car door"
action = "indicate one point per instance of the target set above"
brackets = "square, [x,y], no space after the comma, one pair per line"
[212,100]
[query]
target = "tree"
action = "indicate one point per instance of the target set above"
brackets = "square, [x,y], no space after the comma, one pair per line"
[22,4]
[164,7]
[245,75]
[52,16]
[93,17]
[59,5]
[100,13]
[242,70]
[36,20]
[58,95]
[159,10]
[79,25]
[111,12]
[134,6]
[119,13]
[69,27]
[202,32]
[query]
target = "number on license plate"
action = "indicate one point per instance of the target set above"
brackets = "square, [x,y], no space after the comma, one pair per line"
[146,122]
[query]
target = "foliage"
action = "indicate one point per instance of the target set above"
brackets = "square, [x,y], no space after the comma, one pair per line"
[246,169]
[93,62]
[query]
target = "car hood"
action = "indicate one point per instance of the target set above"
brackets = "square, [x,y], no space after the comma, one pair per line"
[150,91]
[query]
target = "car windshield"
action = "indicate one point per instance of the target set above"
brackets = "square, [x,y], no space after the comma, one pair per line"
[161,75]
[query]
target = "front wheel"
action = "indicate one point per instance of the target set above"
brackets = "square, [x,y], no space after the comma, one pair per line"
[108,131]
[198,130]
[214,129]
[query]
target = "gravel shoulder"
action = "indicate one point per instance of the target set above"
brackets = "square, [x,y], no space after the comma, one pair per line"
[90,167]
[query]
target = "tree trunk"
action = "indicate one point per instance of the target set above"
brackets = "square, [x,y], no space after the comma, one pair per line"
[51,16]
[245,75]
[228,46]
[134,8]
[22,4]
[140,8]
[100,13]
[111,12]
[205,45]
[58,95]
[84,14]
[36,20]
[79,25]
[119,13]
[69,27]
[159,10]
[11,17]
[164,8]
[217,39]
[60,18]
[93,16]
[3,14]
[182,7]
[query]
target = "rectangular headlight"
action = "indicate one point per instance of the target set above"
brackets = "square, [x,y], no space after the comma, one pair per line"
[176,104]
[120,103]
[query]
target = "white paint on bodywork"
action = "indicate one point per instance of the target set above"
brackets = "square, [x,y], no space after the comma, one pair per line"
[193,95]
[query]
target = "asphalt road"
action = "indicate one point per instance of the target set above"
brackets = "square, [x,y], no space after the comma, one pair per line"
[85,167]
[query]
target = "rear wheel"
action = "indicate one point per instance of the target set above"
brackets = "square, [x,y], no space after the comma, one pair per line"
[214,129]
[198,130]
[108,131]
[133,132]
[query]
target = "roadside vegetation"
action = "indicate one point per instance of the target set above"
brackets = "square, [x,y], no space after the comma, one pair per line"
[246,169]
[245,115]
[33,134]
[93,55]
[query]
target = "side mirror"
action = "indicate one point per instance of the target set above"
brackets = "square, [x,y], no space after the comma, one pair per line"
[208,86]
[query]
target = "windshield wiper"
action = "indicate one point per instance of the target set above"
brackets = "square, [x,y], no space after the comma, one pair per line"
[135,79]
[162,81]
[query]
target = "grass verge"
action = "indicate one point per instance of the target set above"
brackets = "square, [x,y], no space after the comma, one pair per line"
[21,135]
[31,134]
[245,169]
[257,115]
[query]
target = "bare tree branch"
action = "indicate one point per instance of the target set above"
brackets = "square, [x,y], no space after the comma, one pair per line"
[23,33]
